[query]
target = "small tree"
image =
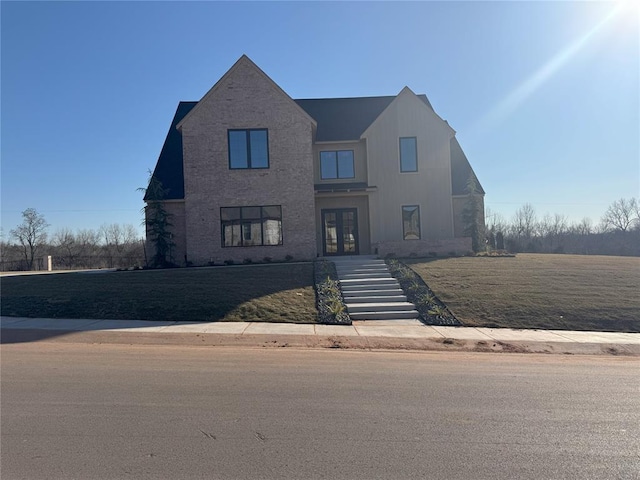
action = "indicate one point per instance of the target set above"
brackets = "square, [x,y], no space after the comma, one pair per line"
[158,224]
[31,234]
[472,215]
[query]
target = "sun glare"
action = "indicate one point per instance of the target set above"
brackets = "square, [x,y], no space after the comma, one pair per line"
[625,15]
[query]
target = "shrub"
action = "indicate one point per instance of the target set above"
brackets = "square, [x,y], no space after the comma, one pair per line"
[229,262]
[267,259]
[247,261]
[431,309]
[288,258]
[329,301]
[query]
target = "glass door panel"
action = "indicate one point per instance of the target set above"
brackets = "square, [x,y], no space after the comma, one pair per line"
[340,231]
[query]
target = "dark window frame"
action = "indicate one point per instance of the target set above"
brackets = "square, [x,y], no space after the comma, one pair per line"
[338,177]
[404,231]
[248,141]
[415,140]
[242,222]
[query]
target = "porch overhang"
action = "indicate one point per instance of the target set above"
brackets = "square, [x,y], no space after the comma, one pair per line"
[355,188]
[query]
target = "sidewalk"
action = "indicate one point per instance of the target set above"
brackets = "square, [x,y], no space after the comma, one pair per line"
[393,334]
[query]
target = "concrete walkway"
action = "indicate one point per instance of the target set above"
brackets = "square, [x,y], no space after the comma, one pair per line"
[393,334]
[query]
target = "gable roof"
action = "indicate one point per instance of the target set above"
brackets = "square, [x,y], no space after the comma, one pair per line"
[243,60]
[460,170]
[169,167]
[341,119]
[338,119]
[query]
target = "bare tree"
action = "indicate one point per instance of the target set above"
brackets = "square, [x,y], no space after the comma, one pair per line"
[31,234]
[584,227]
[621,215]
[118,240]
[524,221]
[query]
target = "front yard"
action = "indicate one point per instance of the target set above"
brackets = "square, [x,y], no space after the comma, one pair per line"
[574,292]
[265,293]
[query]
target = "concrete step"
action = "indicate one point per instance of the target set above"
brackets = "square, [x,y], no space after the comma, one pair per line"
[376,299]
[349,276]
[357,290]
[362,269]
[373,292]
[380,307]
[390,315]
[369,281]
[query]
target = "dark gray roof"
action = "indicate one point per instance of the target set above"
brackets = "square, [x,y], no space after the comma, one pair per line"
[460,170]
[341,119]
[337,118]
[169,167]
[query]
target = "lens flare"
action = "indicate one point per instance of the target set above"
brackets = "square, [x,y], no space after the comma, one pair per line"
[527,88]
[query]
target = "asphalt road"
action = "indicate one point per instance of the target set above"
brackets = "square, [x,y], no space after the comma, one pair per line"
[143,412]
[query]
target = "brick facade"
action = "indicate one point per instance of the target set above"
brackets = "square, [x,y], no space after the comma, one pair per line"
[245,98]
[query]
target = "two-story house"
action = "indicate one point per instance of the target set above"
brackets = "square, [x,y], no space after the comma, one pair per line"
[251,173]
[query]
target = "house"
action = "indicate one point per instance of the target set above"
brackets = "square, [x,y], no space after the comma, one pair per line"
[251,173]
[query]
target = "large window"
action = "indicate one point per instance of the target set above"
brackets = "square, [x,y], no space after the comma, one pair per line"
[411,222]
[337,164]
[248,148]
[251,226]
[408,154]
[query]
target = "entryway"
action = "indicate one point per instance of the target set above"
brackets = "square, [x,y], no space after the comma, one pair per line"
[340,231]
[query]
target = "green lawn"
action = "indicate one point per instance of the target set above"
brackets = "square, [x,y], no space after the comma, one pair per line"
[539,291]
[265,293]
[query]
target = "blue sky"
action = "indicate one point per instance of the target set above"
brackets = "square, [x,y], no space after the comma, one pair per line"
[543,95]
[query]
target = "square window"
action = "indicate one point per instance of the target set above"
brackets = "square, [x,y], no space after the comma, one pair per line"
[337,164]
[248,148]
[408,154]
[411,222]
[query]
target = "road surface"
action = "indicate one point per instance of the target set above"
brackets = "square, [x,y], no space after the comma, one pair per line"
[156,412]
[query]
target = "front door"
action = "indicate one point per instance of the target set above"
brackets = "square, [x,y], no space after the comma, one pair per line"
[340,231]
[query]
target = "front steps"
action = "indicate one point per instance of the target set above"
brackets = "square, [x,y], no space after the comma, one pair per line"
[370,292]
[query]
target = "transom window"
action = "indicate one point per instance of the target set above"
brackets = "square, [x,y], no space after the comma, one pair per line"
[251,226]
[337,164]
[408,154]
[248,148]
[411,222]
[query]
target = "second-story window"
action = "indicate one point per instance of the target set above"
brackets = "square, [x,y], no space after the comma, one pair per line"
[337,164]
[408,154]
[248,148]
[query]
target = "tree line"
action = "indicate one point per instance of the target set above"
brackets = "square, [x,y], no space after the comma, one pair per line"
[118,245]
[617,233]
[110,246]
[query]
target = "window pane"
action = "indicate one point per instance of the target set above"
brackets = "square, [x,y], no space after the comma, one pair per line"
[238,149]
[272,232]
[251,233]
[259,149]
[408,155]
[411,222]
[251,213]
[345,164]
[272,212]
[331,232]
[231,234]
[328,165]
[229,213]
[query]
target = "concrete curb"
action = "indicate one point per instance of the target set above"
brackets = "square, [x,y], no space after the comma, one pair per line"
[358,337]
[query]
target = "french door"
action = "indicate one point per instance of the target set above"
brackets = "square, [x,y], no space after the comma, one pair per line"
[340,231]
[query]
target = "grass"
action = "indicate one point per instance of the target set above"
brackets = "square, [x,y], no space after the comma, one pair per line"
[265,293]
[539,291]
